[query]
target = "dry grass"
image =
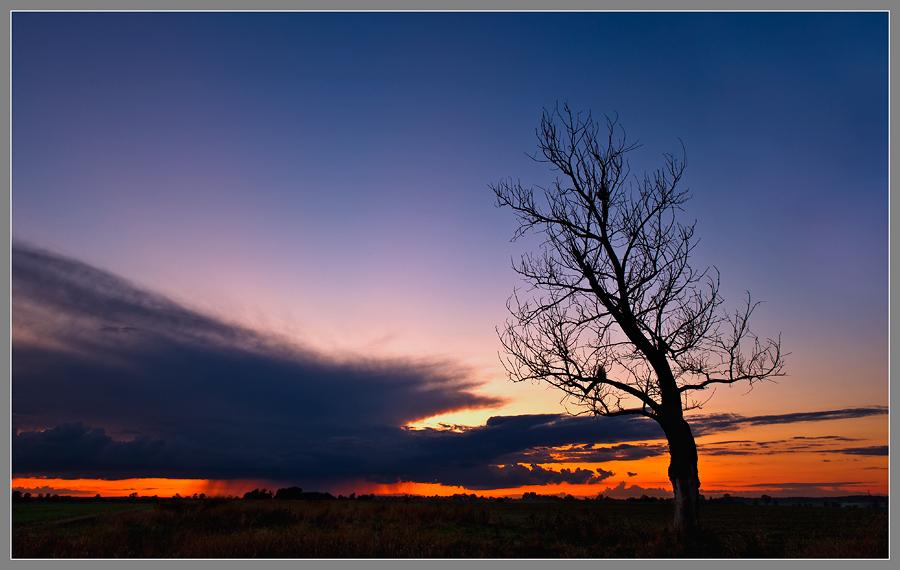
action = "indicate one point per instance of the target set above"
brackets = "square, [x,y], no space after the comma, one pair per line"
[422,529]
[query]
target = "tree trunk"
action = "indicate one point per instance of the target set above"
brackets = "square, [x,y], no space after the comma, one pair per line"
[684,476]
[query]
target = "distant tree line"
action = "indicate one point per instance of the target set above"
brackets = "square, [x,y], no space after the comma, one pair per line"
[289,493]
[297,493]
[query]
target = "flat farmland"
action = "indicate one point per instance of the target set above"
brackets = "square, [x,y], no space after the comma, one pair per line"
[423,528]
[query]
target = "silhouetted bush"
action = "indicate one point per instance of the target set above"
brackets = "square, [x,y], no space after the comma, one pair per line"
[289,493]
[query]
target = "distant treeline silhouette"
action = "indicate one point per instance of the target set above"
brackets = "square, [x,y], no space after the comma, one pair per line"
[289,493]
[297,493]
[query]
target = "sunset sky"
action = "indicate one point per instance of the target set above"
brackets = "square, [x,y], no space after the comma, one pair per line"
[260,249]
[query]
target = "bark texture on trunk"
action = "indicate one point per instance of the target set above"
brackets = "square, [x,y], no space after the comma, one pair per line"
[684,476]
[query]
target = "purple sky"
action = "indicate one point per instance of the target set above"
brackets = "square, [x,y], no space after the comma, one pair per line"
[324,176]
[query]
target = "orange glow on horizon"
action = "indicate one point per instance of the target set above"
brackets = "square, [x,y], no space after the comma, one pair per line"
[145,487]
[651,479]
[465,416]
[773,458]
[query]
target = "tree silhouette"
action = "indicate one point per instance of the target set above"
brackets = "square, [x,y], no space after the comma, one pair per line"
[616,317]
[289,493]
[257,494]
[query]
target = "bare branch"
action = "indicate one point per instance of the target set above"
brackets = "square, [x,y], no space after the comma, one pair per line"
[616,316]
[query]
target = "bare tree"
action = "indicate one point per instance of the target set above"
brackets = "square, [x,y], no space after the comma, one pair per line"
[617,318]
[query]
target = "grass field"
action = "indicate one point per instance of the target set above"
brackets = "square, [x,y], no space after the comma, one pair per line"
[60,512]
[437,529]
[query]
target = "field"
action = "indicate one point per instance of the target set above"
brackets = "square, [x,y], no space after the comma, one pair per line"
[25,514]
[397,528]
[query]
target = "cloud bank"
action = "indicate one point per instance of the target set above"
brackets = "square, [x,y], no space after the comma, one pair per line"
[113,381]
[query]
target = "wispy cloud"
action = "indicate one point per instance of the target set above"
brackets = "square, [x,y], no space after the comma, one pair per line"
[719,422]
[816,444]
[869,450]
[803,484]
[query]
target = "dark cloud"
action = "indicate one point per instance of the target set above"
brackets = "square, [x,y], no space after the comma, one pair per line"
[452,457]
[509,476]
[591,453]
[804,485]
[719,422]
[824,415]
[76,450]
[818,444]
[815,444]
[45,490]
[174,363]
[113,381]
[870,450]
[793,489]
[207,398]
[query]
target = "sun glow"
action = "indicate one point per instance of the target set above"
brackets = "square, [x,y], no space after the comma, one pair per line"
[145,487]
